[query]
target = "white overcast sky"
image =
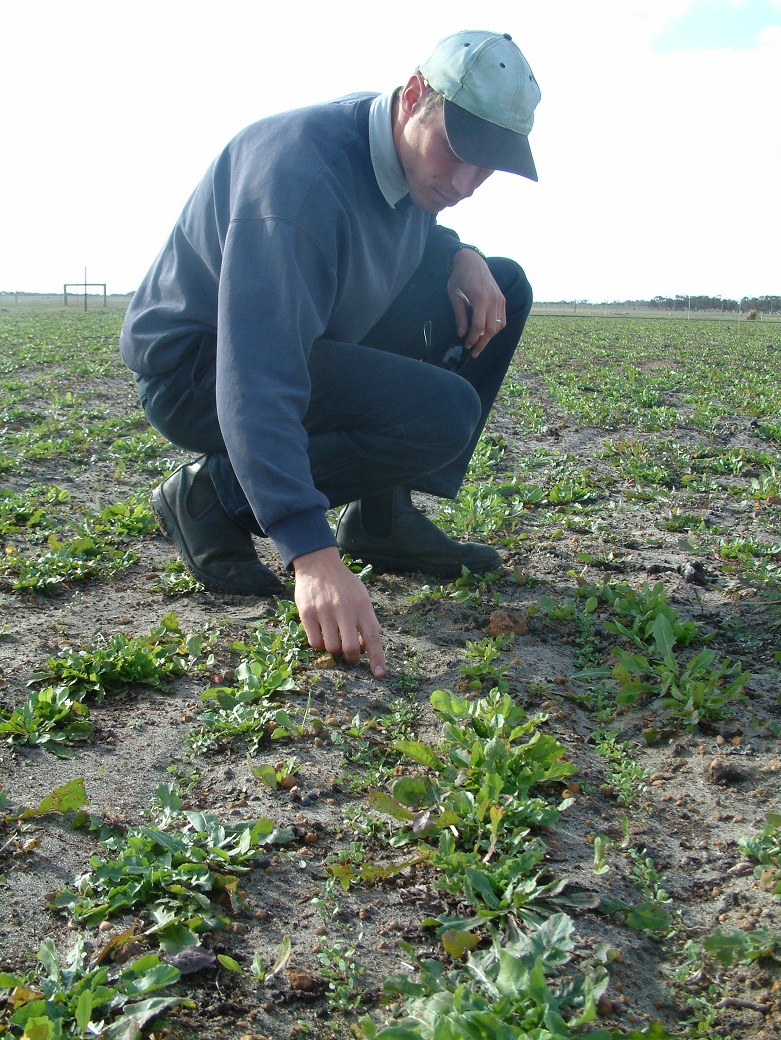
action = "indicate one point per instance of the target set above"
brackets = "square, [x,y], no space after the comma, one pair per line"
[657,140]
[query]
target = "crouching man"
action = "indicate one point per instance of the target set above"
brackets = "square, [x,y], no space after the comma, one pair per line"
[319,340]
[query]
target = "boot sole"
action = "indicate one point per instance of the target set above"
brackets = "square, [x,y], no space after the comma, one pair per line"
[167,523]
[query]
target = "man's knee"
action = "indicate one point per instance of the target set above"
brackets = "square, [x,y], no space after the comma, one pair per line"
[452,424]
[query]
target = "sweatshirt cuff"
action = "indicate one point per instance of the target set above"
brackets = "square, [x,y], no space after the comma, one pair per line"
[301,533]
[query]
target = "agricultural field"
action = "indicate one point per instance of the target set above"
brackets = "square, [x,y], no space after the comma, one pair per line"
[559,816]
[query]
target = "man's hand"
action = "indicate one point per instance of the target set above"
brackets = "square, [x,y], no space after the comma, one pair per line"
[335,609]
[472,277]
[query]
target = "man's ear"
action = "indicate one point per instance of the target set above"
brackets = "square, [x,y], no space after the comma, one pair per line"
[411,95]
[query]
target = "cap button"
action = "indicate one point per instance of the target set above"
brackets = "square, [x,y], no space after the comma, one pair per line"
[507,36]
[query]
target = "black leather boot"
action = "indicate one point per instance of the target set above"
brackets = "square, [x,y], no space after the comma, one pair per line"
[410,542]
[214,549]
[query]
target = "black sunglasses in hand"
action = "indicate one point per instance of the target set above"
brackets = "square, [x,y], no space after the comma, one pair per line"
[455,357]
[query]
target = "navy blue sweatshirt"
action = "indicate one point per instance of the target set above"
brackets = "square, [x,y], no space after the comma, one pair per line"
[286,240]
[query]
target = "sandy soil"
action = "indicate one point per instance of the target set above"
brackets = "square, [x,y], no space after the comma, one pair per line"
[703,791]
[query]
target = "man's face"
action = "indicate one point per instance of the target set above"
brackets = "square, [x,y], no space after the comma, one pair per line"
[437,178]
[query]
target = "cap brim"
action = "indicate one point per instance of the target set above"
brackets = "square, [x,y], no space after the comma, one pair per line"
[480,143]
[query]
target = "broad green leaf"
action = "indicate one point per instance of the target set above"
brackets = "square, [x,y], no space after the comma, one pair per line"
[10,981]
[170,622]
[478,882]
[396,1033]
[537,986]
[446,703]
[413,791]
[664,636]
[649,917]
[457,942]
[419,752]
[230,963]
[39,1029]
[83,1010]
[265,773]
[62,799]
[725,947]
[384,803]
[136,1016]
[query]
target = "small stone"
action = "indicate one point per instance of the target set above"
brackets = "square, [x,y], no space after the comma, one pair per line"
[502,622]
[604,1006]
[693,571]
[301,980]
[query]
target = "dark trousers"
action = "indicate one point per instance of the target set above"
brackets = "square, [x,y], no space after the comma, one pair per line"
[381,413]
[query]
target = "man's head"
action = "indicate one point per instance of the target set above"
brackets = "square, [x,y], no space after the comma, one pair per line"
[490,94]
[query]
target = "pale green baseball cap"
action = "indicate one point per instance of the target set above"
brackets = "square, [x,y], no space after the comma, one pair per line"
[490,95]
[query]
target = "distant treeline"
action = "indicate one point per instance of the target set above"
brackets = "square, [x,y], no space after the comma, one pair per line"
[760,304]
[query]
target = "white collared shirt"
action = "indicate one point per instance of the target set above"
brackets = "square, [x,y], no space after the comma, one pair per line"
[387,168]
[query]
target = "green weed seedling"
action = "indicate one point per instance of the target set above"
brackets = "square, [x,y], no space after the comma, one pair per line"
[75,997]
[654,914]
[249,709]
[765,850]
[767,488]
[638,611]
[508,990]
[744,947]
[691,692]
[170,871]
[112,663]
[488,455]
[55,717]
[120,521]
[65,562]
[94,550]
[467,588]
[29,510]
[52,718]
[526,410]
[481,510]
[176,580]
[702,689]
[337,964]
[625,779]
[485,673]
[257,969]
[558,610]
[369,745]
[407,678]
[274,776]
[472,808]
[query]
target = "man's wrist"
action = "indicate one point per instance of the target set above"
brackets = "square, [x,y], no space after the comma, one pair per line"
[457,250]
